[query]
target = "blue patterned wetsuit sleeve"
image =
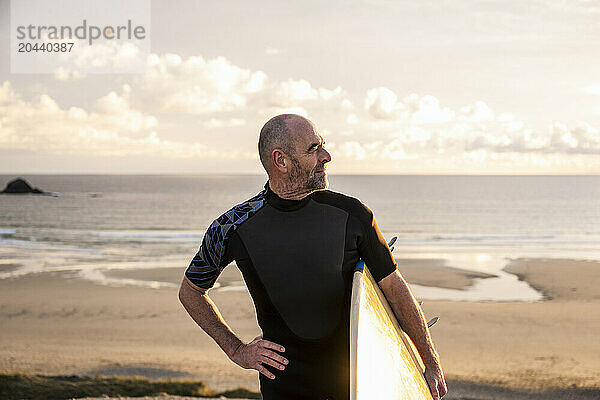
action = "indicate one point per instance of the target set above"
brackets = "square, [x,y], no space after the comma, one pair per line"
[203,271]
[212,257]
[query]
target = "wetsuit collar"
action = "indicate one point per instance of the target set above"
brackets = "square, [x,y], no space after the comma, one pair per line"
[284,204]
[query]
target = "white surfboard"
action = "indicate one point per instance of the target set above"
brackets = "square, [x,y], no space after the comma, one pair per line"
[384,363]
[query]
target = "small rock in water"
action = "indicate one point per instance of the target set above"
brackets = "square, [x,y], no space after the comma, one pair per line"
[21,186]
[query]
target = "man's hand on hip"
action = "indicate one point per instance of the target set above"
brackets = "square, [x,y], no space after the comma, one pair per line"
[435,380]
[258,352]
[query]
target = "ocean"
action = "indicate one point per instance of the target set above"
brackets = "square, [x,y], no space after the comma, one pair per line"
[121,222]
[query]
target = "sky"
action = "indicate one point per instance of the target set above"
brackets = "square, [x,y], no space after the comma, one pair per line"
[394,87]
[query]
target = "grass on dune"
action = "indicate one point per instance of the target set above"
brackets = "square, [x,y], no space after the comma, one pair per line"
[26,386]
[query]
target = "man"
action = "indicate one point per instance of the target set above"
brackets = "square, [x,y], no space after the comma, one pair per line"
[296,246]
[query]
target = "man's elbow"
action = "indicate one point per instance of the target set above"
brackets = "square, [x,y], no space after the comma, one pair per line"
[390,281]
[394,285]
[188,293]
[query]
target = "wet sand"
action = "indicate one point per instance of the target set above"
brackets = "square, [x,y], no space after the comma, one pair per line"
[489,350]
[8,267]
[551,344]
[433,272]
[572,280]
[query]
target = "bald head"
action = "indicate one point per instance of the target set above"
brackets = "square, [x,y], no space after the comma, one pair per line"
[280,133]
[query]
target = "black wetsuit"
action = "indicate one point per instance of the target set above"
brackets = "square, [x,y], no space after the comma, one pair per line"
[297,258]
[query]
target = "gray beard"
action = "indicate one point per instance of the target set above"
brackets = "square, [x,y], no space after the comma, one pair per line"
[301,180]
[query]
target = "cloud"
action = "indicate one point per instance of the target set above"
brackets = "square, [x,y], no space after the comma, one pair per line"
[327,106]
[272,51]
[420,125]
[102,57]
[478,112]
[106,56]
[558,139]
[111,128]
[114,112]
[144,115]
[293,93]
[223,123]
[352,150]
[126,121]
[383,104]
[197,86]
[352,119]
[592,89]
[63,74]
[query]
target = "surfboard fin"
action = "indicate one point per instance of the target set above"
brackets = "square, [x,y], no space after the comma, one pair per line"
[432,321]
[392,241]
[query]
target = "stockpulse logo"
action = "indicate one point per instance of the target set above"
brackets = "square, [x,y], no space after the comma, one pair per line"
[82,32]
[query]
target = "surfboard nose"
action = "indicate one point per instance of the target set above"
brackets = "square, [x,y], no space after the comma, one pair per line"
[360,266]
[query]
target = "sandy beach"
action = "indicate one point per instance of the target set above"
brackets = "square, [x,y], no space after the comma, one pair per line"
[55,325]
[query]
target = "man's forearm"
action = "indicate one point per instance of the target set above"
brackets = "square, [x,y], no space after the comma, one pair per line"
[410,316]
[206,314]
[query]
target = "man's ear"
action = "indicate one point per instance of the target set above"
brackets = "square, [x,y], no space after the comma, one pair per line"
[279,160]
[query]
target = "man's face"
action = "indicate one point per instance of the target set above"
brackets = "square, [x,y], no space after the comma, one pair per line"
[308,163]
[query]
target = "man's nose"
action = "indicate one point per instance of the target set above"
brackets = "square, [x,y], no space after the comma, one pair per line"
[325,156]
